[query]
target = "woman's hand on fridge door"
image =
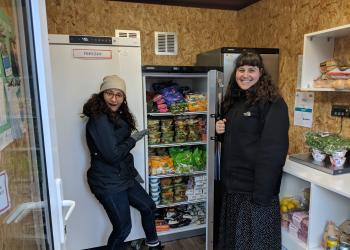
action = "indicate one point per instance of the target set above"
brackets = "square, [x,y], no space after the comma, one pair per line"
[138,135]
[220,126]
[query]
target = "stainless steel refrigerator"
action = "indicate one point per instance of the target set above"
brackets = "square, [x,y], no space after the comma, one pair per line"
[225,57]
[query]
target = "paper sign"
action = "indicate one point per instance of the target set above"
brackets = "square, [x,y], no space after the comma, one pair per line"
[303,109]
[92,53]
[7,65]
[4,194]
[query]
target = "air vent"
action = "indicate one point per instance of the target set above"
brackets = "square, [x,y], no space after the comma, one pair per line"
[122,34]
[127,33]
[165,43]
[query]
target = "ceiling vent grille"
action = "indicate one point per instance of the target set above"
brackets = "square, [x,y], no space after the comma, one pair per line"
[165,43]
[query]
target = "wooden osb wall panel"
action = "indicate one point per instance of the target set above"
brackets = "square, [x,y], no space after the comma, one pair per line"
[198,29]
[282,24]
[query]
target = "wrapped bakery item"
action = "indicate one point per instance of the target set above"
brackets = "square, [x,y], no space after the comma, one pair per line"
[332,74]
[341,84]
[323,83]
[328,65]
[338,73]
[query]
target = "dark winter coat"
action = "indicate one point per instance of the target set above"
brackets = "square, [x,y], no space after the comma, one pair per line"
[254,149]
[112,165]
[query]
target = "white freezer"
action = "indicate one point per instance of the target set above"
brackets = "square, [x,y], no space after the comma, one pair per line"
[77,71]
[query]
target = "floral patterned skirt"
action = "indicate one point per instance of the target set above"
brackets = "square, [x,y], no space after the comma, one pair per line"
[247,226]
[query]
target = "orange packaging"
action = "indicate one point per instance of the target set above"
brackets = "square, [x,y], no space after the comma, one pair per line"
[162,228]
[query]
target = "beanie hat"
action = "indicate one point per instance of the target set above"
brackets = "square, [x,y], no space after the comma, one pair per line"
[113,82]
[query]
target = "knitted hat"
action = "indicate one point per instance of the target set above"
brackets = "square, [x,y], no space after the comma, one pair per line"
[113,82]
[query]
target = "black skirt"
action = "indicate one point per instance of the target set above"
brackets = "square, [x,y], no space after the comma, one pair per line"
[247,226]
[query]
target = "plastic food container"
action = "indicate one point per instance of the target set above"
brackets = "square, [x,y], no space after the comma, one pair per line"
[154,181]
[156,200]
[154,186]
[155,194]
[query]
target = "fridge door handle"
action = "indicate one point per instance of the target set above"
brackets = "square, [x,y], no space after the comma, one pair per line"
[63,204]
[71,205]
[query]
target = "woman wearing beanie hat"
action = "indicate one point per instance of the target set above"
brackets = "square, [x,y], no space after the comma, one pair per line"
[112,174]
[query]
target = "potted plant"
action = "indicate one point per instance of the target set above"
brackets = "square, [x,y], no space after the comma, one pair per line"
[323,144]
[337,148]
[316,142]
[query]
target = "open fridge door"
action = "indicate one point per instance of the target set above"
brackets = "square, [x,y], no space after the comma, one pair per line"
[215,95]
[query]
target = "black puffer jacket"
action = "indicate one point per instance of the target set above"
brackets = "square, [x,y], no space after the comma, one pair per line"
[112,165]
[254,149]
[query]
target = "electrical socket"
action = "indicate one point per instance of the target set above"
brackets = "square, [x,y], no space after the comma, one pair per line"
[340,110]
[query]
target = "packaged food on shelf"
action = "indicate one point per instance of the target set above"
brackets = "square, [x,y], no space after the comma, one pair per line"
[182,157]
[334,74]
[294,216]
[167,139]
[161,225]
[193,135]
[166,124]
[180,216]
[154,181]
[340,236]
[196,102]
[167,197]
[199,158]
[153,124]
[173,98]
[161,165]
[155,190]
[328,65]
[166,182]
[289,203]
[154,137]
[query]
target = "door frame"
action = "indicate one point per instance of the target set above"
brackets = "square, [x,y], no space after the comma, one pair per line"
[42,60]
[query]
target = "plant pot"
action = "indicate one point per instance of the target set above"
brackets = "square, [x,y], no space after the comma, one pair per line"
[340,154]
[318,155]
[337,161]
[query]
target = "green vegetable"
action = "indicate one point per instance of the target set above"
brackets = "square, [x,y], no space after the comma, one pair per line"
[199,158]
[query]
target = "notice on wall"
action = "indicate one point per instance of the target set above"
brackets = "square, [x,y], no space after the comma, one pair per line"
[5,126]
[303,109]
[4,193]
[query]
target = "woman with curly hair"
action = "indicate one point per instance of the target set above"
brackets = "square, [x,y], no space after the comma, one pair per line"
[254,140]
[112,174]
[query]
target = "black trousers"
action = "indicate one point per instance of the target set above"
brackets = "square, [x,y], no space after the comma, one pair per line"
[118,211]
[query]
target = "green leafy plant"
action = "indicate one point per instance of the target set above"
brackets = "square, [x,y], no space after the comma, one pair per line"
[326,142]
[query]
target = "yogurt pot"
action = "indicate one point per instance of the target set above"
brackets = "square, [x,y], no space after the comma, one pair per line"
[318,155]
[154,180]
[155,189]
[153,185]
[155,194]
[156,200]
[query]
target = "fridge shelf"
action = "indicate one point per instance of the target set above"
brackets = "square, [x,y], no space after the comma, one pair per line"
[182,203]
[177,114]
[179,144]
[175,174]
[182,229]
[289,240]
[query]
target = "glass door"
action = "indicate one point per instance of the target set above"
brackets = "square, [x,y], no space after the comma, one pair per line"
[25,178]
